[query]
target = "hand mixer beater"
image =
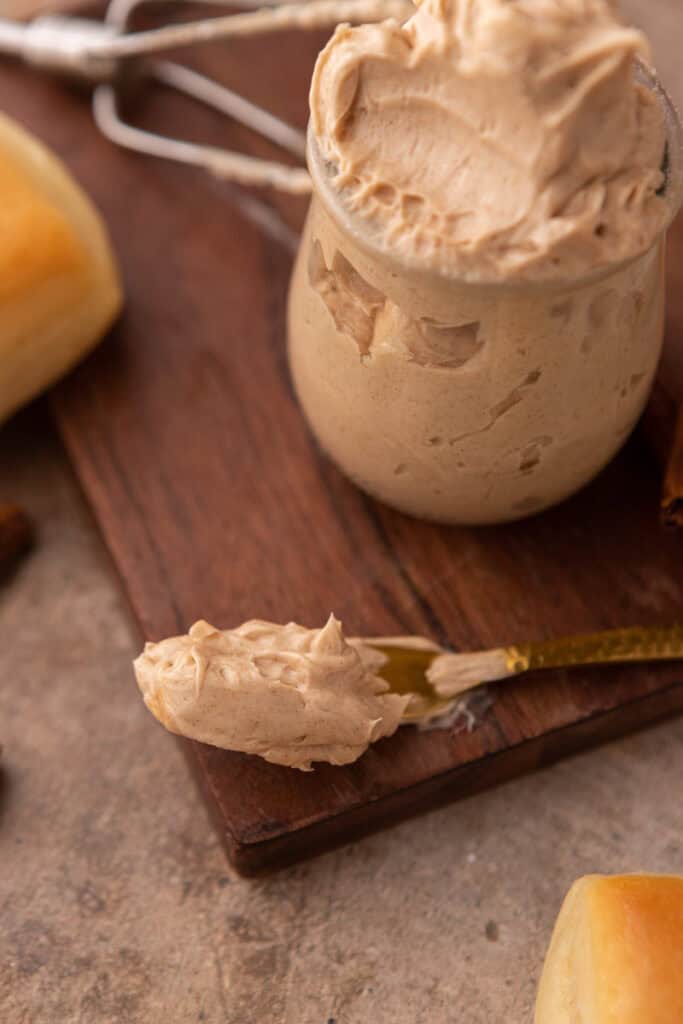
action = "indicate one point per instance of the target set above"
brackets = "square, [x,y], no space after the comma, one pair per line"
[102,52]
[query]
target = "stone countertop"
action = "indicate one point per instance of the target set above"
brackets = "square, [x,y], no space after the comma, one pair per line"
[116,904]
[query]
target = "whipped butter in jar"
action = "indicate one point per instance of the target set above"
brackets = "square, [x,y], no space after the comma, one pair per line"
[476,312]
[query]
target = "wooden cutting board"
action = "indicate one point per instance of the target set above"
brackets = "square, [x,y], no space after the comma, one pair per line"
[215,502]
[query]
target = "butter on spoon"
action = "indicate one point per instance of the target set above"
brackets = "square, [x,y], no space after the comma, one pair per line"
[289,694]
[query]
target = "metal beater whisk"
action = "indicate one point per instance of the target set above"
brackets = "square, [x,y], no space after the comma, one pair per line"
[100,52]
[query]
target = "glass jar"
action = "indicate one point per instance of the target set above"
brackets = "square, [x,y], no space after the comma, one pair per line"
[469,403]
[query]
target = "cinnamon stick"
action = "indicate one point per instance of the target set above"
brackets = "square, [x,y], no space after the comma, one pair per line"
[16,534]
[672,494]
[663,428]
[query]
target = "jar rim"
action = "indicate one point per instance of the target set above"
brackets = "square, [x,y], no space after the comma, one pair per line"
[673,193]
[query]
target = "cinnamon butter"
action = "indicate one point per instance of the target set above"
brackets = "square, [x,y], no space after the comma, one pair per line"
[476,312]
[289,694]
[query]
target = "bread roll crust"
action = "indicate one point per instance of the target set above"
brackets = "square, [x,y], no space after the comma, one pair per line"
[616,954]
[59,284]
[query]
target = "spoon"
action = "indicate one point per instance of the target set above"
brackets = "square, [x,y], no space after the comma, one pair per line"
[436,679]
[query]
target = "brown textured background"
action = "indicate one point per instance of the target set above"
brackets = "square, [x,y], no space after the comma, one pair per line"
[112,909]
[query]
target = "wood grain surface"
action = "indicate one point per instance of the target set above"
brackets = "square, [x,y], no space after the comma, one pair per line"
[215,502]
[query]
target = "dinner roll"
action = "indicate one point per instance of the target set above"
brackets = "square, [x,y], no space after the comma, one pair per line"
[59,284]
[616,954]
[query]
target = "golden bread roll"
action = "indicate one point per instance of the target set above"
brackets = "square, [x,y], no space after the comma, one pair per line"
[616,954]
[59,284]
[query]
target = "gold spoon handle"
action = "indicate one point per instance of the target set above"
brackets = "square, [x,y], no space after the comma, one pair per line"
[616,645]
